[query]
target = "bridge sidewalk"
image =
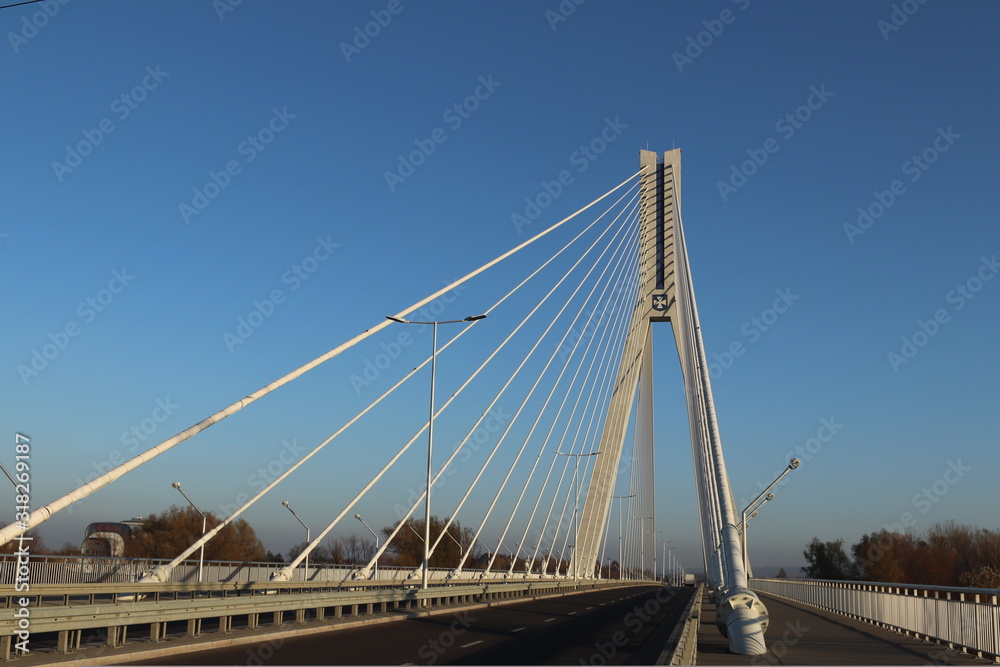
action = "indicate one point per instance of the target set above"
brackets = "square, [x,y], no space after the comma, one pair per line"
[802,635]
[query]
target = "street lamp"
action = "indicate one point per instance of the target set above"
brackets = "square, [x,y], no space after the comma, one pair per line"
[576,505]
[620,555]
[517,554]
[460,547]
[358,517]
[663,562]
[642,543]
[792,465]
[9,476]
[430,435]
[306,564]
[201,556]
[530,564]
[483,545]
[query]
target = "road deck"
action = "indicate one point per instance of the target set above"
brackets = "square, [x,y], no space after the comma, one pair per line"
[628,625]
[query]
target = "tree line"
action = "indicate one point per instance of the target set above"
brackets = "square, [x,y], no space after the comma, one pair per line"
[947,554]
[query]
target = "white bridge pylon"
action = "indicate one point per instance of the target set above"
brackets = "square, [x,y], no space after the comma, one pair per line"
[666,295]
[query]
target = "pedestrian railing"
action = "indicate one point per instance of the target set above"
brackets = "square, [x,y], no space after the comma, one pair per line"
[102,570]
[967,619]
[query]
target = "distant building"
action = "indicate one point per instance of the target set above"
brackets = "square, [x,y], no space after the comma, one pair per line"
[108,539]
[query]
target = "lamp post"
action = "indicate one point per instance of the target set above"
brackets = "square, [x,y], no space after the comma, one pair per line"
[620,547]
[517,554]
[642,543]
[306,563]
[460,547]
[743,535]
[375,535]
[663,561]
[530,564]
[201,556]
[500,544]
[576,505]
[483,545]
[430,434]
[488,554]
[9,476]
[792,465]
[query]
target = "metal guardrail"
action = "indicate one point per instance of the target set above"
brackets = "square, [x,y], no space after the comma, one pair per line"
[964,618]
[110,609]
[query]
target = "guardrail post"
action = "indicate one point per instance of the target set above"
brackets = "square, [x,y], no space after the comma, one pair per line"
[320,613]
[253,621]
[225,624]
[279,618]
[5,643]
[338,611]
[67,641]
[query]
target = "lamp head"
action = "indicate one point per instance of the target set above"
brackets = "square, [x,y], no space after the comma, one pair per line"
[358,517]
[473,318]
[176,485]
[793,464]
[770,496]
[285,503]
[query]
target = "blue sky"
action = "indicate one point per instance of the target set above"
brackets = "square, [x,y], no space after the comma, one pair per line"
[166,166]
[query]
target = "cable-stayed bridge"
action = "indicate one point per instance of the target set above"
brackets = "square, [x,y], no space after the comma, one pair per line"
[567,354]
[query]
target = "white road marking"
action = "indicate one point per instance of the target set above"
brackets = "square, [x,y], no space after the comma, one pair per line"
[472,643]
[519,629]
[549,619]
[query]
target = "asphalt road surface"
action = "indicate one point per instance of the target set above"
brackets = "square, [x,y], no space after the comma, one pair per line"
[622,626]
